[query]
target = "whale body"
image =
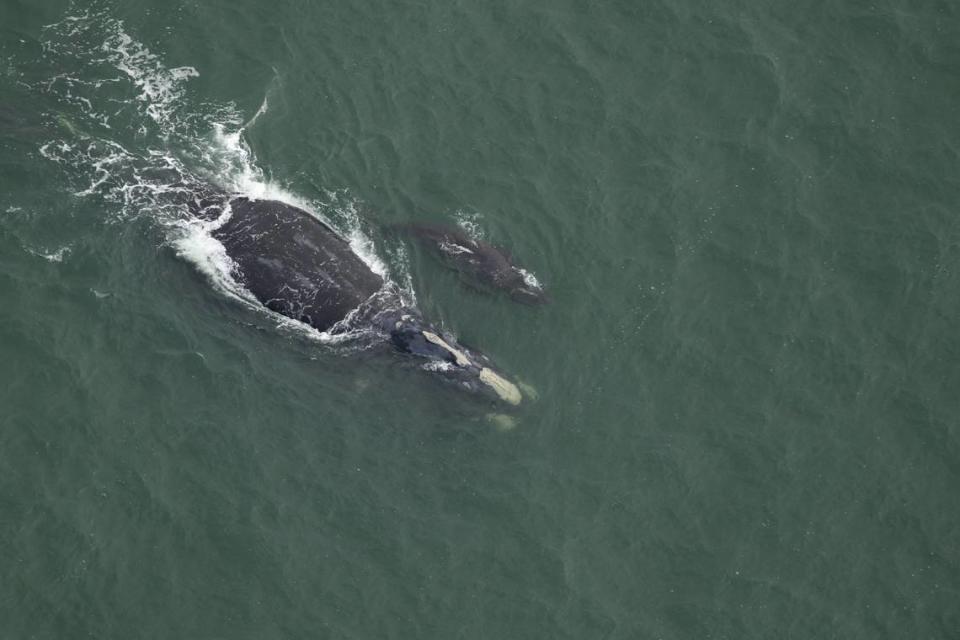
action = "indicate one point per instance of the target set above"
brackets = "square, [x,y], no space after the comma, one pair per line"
[481,262]
[295,264]
[298,266]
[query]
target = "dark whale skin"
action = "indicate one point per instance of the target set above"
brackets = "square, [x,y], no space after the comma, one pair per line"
[294,264]
[297,266]
[479,261]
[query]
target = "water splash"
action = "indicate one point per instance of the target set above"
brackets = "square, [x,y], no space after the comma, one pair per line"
[51,256]
[470,221]
[530,279]
[177,144]
[161,89]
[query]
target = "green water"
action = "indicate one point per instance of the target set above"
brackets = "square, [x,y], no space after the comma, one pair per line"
[746,215]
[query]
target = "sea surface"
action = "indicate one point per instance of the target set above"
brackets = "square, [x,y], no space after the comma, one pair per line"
[746,422]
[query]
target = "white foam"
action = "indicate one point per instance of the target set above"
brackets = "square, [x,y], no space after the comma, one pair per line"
[213,138]
[237,168]
[529,279]
[194,243]
[437,366]
[52,256]
[363,246]
[160,88]
[234,164]
[400,258]
[469,221]
[264,108]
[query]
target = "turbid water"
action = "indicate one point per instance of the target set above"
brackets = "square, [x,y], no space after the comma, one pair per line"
[748,377]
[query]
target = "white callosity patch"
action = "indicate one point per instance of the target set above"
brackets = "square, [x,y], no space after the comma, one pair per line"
[458,355]
[507,391]
[502,421]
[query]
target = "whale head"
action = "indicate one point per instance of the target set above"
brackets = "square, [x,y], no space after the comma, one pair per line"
[524,287]
[450,360]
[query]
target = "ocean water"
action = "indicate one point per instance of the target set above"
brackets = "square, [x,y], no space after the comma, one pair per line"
[747,381]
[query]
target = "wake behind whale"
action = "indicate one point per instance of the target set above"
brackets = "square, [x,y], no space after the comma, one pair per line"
[257,242]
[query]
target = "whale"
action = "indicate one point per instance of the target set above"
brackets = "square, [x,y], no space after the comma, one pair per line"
[480,262]
[296,265]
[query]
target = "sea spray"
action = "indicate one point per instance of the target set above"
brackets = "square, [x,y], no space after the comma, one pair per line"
[177,144]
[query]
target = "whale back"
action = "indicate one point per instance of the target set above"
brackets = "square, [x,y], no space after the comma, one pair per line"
[294,264]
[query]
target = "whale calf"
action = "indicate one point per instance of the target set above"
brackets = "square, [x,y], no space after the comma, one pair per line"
[479,261]
[299,267]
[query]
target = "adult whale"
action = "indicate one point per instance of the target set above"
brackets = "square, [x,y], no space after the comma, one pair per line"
[297,266]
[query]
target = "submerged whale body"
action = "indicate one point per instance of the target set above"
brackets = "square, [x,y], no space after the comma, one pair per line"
[297,266]
[480,261]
